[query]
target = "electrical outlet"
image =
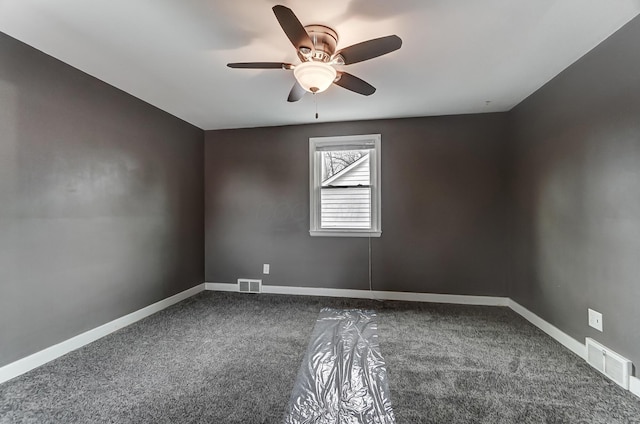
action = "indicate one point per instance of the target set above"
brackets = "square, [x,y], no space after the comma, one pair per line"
[595,319]
[265,268]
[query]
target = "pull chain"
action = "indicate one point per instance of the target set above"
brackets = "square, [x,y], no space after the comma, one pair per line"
[315,100]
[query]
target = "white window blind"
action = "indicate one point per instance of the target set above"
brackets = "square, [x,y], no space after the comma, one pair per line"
[345,197]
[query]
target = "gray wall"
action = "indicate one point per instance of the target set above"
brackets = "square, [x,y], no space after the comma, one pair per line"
[577,195]
[101,206]
[444,210]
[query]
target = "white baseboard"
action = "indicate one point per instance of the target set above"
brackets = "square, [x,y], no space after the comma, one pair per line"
[232,287]
[37,359]
[634,385]
[560,336]
[553,331]
[366,294]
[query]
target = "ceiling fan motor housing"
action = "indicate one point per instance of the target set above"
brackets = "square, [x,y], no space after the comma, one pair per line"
[324,41]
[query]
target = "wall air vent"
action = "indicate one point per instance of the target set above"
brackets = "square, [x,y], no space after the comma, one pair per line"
[609,363]
[246,285]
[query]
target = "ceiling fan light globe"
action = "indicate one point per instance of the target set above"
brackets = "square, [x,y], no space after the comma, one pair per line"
[315,77]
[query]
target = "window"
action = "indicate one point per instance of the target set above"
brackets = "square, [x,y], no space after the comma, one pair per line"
[345,186]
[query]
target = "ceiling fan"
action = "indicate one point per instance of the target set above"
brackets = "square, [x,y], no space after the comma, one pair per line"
[316,49]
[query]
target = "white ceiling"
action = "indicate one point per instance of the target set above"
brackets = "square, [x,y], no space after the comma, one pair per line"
[457,55]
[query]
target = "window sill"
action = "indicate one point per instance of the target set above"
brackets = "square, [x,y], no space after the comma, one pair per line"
[344,233]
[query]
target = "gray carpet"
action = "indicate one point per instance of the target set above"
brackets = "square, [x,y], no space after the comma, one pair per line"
[233,358]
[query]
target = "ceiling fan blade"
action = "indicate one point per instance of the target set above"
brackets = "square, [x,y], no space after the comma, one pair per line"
[370,49]
[355,84]
[296,93]
[292,27]
[260,65]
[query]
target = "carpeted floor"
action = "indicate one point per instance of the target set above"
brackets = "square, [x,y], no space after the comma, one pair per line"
[233,358]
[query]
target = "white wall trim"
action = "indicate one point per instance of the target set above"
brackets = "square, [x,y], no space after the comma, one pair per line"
[232,287]
[557,334]
[37,359]
[634,385]
[553,331]
[366,294]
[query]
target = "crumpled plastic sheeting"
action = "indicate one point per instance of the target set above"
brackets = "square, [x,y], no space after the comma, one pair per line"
[343,379]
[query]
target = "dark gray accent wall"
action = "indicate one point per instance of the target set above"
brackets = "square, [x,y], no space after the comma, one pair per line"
[577,195]
[101,206]
[444,208]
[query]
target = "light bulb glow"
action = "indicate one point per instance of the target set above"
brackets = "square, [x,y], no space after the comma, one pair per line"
[315,77]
